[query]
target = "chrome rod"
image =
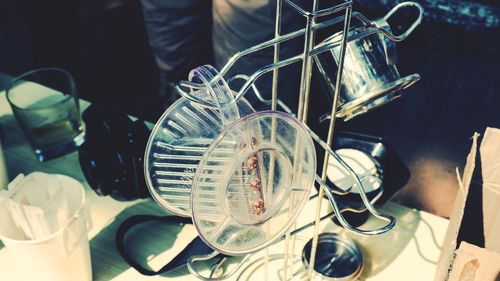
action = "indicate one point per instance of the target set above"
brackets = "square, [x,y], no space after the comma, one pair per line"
[331,129]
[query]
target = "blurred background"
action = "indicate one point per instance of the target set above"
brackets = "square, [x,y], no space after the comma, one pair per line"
[105,46]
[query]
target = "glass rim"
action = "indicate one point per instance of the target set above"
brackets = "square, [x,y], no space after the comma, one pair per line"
[15,80]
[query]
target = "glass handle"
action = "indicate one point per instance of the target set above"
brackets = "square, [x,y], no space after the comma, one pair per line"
[412,27]
[208,88]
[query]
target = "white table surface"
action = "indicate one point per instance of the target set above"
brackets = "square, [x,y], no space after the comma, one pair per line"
[408,252]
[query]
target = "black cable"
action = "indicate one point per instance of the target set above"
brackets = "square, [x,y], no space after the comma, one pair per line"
[192,249]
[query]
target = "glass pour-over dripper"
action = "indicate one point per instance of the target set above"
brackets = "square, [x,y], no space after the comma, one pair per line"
[259,193]
[182,135]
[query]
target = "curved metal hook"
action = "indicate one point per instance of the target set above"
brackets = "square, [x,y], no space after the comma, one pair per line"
[259,95]
[317,50]
[243,90]
[194,259]
[369,206]
[218,265]
[346,224]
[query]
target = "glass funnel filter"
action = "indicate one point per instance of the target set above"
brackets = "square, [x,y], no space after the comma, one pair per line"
[182,135]
[245,204]
[370,76]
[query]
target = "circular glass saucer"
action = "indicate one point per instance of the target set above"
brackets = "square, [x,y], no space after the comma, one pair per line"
[261,191]
[377,97]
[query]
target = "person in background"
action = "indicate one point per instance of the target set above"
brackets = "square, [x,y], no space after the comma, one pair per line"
[189,33]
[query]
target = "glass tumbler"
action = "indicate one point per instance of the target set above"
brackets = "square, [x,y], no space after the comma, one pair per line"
[45,104]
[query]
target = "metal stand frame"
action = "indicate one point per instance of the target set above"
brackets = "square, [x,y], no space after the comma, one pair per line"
[306,58]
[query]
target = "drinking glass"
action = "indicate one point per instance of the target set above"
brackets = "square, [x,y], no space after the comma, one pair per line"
[45,104]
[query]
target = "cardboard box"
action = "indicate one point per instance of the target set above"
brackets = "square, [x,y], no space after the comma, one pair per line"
[475,263]
[475,218]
